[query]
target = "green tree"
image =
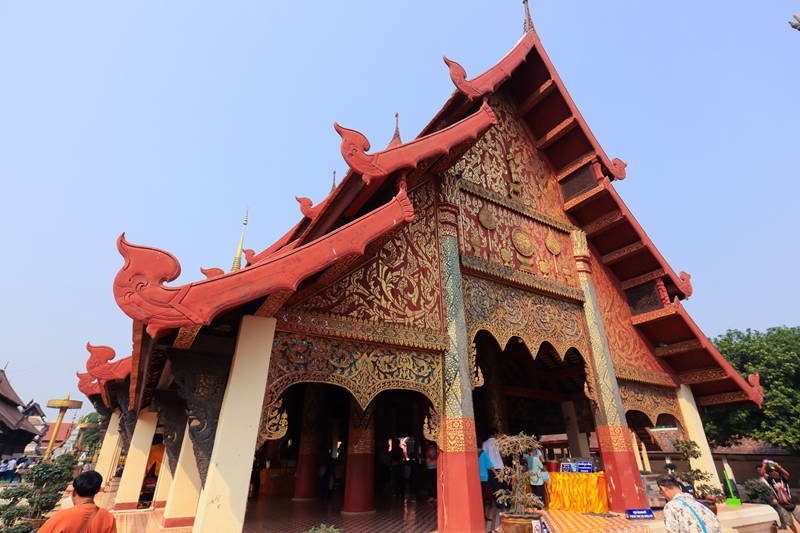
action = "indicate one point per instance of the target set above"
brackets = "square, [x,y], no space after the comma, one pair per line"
[775,356]
[91,434]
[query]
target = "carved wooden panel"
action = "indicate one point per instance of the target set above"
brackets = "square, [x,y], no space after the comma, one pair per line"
[507,312]
[496,233]
[363,369]
[632,357]
[172,417]
[650,400]
[505,162]
[201,382]
[401,281]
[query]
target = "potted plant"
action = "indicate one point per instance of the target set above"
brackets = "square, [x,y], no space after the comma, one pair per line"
[698,480]
[27,504]
[324,528]
[523,503]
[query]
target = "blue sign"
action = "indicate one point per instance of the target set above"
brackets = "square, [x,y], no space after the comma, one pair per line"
[640,514]
[545,529]
[566,467]
[586,467]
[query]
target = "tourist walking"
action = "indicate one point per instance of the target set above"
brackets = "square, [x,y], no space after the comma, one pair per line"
[431,458]
[85,516]
[684,514]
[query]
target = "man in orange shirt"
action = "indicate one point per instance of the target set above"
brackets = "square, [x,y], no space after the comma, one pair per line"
[85,516]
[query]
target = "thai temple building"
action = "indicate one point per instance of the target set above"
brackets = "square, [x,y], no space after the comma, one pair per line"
[485,276]
[16,430]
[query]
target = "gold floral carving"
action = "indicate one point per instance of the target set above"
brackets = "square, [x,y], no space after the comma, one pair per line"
[363,330]
[431,427]
[274,423]
[522,242]
[505,162]
[645,376]
[486,218]
[614,438]
[650,400]
[723,398]
[476,375]
[627,347]
[533,241]
[399,284]
[508,312]
[362,369]
[458,435]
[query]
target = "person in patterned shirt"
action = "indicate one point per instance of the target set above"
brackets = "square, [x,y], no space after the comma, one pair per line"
[684,514]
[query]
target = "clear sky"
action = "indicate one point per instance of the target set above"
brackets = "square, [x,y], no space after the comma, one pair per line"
[167,120]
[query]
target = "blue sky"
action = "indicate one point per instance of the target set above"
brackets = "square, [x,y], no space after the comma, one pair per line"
[167,120]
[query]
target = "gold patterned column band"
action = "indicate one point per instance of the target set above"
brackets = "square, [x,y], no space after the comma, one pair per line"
[610,411]
[458,435]
[614,438]
[448,220]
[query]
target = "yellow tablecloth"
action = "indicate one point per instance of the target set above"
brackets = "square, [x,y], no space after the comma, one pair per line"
[585,493]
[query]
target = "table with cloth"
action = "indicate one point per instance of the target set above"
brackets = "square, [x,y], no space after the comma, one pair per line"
[582,492]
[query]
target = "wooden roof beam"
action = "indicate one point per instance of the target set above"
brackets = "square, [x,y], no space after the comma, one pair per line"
[579,163]
[644,278]
[603,223]
[536,97]
[703,375]
[621,253]
[723,398]
[653,316]
[578,201]
[678,348]
[561,129]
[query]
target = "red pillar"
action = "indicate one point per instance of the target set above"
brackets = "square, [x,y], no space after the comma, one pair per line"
[460,504]
[307,476]
[625,489]
[359,484]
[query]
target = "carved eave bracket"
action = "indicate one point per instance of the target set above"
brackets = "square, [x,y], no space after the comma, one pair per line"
[140,291]
[408,155]
[99,366]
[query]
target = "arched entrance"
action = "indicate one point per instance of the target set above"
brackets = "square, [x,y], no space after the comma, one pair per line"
[541,393]
[342,463]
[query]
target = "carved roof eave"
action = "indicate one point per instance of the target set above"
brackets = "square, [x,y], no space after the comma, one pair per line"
[140,291]
[490,81]
[370,171]
[681,281]
[750,387]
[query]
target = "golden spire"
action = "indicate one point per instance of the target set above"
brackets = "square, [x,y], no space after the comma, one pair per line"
[528,20]
[237,260]
[333,185]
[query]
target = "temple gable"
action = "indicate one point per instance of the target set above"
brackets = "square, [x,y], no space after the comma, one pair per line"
[398,283]
[633,359]
[505,162]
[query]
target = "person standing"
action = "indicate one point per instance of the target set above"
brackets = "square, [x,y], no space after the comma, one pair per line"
[431,458]
[684,514]
[777,478]
[11,469]
[85,516]
[538,475]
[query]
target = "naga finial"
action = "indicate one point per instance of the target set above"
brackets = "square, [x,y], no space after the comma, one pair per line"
[528,20]
[237,260]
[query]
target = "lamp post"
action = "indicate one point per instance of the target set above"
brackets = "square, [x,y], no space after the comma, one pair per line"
[63,406]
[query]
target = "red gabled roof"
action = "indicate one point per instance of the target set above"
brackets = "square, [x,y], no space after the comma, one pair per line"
[561,133]
[139,286]
[63,432]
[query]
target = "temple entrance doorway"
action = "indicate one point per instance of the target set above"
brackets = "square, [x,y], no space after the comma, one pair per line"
[340,464]
[538,393]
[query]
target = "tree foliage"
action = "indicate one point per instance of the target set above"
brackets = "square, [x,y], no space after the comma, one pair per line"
[775,356]
[91,434]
